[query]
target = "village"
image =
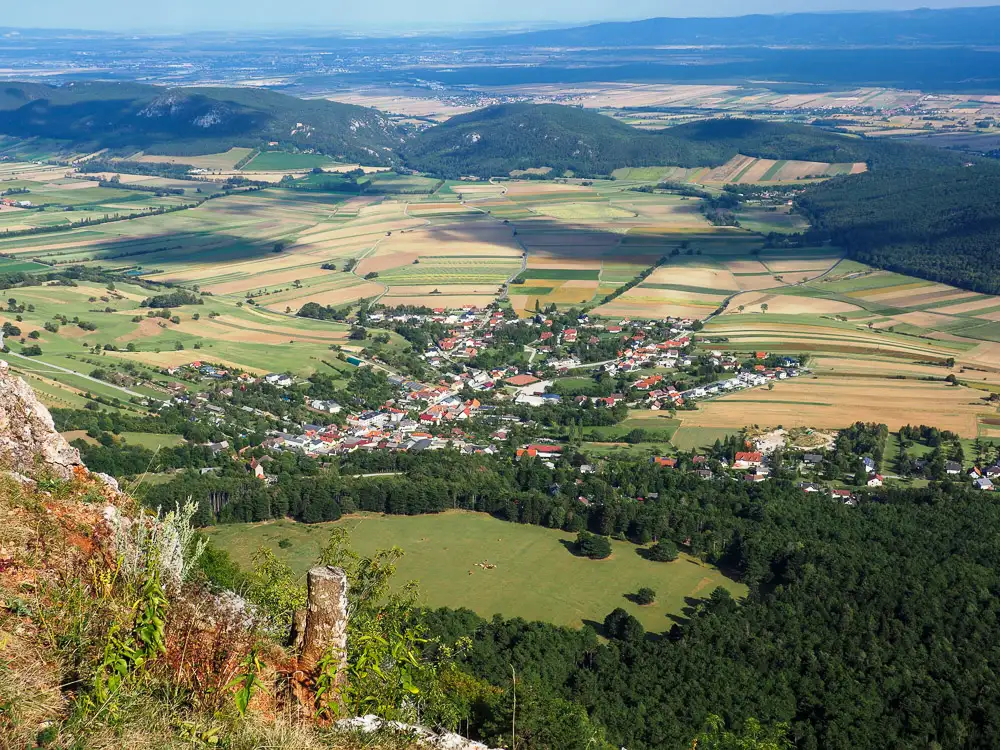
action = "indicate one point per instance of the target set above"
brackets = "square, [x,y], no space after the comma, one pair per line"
[487,410]
[430,415]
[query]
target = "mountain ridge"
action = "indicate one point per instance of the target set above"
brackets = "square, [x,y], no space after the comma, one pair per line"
[189,121]
[975,25]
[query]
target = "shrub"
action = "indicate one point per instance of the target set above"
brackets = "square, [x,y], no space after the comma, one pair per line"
[663,551]
[645,595]
[593,546]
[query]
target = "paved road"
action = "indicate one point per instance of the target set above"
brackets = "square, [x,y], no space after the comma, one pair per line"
[51,366]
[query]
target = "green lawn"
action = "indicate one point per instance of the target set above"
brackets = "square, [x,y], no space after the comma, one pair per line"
[695,438]
[11,265]
[442,552]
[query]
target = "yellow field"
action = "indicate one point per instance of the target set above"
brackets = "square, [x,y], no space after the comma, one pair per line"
[832,403]
[694,276]
[873,366]
[808,266]
[333,296]
[964,307]
[450,289]
[786,304]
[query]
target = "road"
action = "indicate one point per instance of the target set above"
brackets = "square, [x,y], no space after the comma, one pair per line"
[51,366]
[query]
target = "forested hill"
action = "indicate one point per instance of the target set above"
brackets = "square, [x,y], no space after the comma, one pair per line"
[496,140]
[936,221]
[188,121]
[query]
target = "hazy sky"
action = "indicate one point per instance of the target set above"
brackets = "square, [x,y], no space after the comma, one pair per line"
[396,14]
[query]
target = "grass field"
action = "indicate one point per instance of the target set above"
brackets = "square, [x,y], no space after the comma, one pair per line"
[151,440]
[442,552]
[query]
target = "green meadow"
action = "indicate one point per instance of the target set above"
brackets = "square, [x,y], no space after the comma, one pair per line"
[536,576]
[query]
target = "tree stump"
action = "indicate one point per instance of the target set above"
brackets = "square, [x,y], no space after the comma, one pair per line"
[326,618]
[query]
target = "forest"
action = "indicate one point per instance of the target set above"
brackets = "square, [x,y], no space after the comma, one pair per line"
[868,627]
[937,221]
[873,626]
[189,121]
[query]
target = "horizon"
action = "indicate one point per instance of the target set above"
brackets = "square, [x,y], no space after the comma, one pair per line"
[451,16]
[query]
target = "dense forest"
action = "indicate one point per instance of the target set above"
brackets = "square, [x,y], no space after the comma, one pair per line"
[873,627]
[936,221]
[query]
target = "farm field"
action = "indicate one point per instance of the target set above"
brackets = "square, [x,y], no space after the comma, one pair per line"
[566,244]
[742,170]
[217,162]
[442,551]
[835,402]
[272,161]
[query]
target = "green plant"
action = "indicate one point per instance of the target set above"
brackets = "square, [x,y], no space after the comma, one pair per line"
[273,587]
[386,674]
[128,650]
[247,682]
[198,735]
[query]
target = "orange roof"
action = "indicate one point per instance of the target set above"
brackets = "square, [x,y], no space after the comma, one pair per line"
[521,380]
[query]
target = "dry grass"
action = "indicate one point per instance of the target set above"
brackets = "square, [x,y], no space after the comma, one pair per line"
[694,276]
[786,304]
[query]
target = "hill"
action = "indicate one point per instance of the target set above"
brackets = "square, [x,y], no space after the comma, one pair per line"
[496,140]
[126,117]
[909,27]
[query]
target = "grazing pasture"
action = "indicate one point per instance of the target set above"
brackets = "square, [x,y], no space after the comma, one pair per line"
[443,553]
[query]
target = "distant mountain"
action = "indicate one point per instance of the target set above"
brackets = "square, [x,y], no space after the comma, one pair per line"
[129,116]
[496,140]
[963,26]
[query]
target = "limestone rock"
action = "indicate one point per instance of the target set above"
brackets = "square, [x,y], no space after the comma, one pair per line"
[28,437]
[422,736]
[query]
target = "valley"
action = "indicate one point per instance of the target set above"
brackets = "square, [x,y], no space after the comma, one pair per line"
[634,384]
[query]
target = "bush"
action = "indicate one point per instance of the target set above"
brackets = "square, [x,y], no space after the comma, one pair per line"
[645,595]
[593,546]
[663,551]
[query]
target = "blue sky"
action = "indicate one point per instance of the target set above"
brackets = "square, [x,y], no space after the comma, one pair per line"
[398,15]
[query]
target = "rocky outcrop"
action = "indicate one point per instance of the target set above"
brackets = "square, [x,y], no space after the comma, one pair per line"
[28,437]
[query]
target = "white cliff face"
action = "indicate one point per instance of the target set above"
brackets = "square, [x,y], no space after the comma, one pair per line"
[28,437]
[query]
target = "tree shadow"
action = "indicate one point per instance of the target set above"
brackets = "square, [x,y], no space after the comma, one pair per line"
[570,545]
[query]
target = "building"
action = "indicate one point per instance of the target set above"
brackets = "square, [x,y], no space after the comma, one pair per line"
[748,459]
